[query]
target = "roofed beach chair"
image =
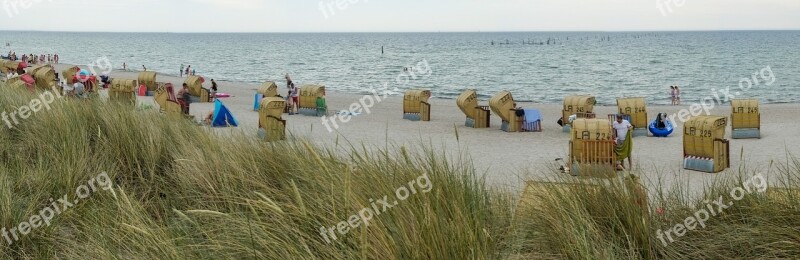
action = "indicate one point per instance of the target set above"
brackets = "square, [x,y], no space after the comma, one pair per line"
[309,95]
[196,90]
[416,106]
[45,77]
[515,120]
[704,146]
[580,106]
[69,74]
[271,126]
[636,109]
[165,98]
[148,79]
[592,148]
[745,119]
[477,116]
[123,91]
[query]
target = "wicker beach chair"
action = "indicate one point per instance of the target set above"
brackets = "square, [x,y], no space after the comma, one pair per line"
[416,106]
[271,126]
[502,105]
[309,95]
[477,116]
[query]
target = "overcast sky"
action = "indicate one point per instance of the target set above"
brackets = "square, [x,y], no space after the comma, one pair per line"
[397,15]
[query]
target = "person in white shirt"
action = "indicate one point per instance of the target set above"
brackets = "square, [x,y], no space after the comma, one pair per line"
[621,126]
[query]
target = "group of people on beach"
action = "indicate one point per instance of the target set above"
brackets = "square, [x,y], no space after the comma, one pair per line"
[675,92]
[188,71]
[33,58]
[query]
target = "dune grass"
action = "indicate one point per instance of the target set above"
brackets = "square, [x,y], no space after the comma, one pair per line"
[183,191]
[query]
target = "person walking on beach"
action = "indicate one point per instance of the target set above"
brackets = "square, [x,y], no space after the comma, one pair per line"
[187,70]
[181,71]
[144,68]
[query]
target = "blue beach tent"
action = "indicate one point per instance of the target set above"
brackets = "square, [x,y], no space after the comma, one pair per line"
[222,116]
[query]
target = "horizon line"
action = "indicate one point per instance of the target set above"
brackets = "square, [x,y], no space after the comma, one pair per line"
[379,32]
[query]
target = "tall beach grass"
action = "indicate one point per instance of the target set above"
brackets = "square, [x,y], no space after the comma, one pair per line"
[183,191]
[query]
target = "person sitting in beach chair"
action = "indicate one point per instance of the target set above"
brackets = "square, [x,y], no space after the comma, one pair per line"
[184,98]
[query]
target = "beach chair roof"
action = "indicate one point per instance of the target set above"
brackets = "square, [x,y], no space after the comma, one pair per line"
[268,89]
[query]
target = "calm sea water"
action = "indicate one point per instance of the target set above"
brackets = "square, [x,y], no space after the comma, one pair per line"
[607,65]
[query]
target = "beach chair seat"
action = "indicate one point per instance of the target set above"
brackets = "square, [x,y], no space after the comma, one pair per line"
[597,158]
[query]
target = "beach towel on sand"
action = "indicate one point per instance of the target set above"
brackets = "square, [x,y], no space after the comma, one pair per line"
[624,150]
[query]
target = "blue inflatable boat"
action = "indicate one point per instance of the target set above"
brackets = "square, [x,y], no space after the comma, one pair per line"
[661,129]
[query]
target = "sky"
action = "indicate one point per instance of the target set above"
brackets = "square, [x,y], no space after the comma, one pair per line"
[397,15]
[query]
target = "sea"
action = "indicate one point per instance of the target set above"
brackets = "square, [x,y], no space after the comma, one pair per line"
[541,67]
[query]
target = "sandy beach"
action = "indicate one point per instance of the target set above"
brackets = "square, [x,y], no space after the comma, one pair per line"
[506,159]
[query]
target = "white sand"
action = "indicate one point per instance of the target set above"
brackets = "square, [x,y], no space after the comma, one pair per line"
[507,159]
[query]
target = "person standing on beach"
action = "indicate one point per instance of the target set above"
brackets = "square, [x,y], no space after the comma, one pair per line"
[294,99]
[192,72]
[124,66]
[677,95]
[621,128]
[213,88]
[181,71]
[672,95]
[187,70]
